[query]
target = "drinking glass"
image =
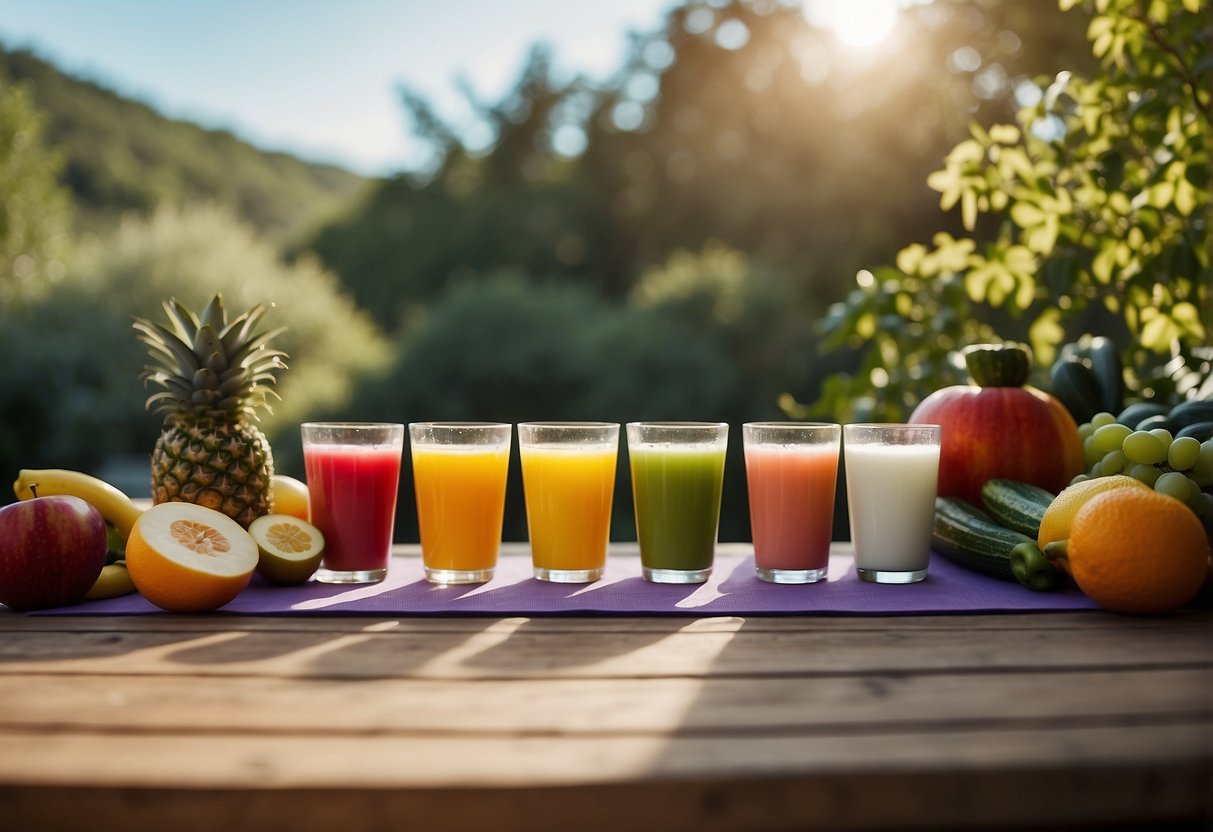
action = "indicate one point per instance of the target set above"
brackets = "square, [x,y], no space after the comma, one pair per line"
[892,475]
[791,474]
[677,477]
[459,472]
[353,475]
[568,477]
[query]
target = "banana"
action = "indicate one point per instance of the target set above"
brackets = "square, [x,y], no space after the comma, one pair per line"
[115,507]
[113,581]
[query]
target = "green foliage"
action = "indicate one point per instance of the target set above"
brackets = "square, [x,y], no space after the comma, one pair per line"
[510,349]
[785,146]
[74,397]
[121,156]
[1098,201]
[35,211]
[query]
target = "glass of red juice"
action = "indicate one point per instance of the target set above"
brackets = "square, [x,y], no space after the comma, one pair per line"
[791,473]
[353,474]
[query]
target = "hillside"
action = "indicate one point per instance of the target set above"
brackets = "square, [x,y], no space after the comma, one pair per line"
[122,156]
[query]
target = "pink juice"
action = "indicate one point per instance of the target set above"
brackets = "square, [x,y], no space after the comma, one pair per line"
[791,491]
[352,498]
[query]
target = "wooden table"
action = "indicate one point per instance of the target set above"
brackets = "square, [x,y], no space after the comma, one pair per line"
[348,723]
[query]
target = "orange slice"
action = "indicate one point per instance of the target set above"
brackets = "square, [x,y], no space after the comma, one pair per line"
[290,549]
[187,558]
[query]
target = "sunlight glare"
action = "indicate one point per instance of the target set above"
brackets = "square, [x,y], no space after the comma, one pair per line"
[857,23]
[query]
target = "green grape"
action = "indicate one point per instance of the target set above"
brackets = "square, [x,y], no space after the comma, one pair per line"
[1113,462]
[1101,419]
[1164,436]
[1183,453]
[1146,473]
[1080,478]
[1089,453]
[1144,447]
[1110,437]
[1203,467]
[1085,430]
[1176,485]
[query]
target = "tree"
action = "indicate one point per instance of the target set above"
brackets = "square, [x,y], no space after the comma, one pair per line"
[71,396]
[35,211]
[1099,202]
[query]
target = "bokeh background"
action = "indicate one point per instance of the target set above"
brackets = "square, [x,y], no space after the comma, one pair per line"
[656,239]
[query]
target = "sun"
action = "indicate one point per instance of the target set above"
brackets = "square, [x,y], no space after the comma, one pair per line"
[857,23]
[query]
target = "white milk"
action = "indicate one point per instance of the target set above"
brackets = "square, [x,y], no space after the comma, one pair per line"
[891,504]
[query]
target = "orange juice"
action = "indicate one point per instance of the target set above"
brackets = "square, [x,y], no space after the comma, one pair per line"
[569,491]
[460,507]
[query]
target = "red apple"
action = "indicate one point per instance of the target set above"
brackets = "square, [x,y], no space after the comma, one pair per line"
[51,551]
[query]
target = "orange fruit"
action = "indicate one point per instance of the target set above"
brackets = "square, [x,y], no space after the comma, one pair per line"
[1055,524]
[1138,551]
[187,558]
[290,496]
[290,549]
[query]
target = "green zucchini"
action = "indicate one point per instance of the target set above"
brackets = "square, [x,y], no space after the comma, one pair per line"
[1016,505]
[1109,373]
[1191,412]
[1201,431]
[968,536]
[1074,384]
[1136,413]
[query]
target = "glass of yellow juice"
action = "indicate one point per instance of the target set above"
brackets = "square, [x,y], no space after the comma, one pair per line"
[568,476]
[459,473]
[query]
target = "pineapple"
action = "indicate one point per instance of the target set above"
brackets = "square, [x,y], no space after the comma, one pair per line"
[214,375]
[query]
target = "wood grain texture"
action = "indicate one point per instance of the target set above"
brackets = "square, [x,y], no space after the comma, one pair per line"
[925,722]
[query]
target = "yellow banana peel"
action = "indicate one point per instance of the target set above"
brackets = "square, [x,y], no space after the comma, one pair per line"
[113,581]
[115,507]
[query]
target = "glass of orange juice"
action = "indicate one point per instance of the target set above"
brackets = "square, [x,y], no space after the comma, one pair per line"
[568,476]
[459,473]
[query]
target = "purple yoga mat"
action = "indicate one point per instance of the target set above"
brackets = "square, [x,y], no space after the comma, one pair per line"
[732,589]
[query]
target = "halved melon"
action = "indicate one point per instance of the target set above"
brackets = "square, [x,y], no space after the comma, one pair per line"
[187,558]
[290,549]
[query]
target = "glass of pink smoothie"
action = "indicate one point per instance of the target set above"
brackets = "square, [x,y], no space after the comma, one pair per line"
[791,470]
[353,473]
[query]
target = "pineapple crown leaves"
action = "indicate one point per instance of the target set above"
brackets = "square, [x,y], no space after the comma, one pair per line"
[207,365]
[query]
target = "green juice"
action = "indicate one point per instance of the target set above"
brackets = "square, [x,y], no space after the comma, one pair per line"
[676,491]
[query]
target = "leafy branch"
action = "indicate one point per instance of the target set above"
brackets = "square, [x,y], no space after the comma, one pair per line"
[1101,201]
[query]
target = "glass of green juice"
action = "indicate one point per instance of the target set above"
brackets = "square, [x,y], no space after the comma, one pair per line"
[677,476]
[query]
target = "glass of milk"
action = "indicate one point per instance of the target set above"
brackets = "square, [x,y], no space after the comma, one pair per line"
[891,473]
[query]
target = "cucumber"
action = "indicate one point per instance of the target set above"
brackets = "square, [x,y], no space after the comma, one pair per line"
[1151,422]
[1189,412]
[966,535]
[1075,386]
[1201,431]
[1138,412]
[1019,506]
[1109,373]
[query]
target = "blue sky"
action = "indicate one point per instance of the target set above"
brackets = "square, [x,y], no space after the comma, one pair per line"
[317,77]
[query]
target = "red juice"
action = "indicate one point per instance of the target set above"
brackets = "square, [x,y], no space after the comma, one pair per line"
[352,498]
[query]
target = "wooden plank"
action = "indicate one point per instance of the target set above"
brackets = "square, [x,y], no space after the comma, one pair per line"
[512,649]
[251,760]
[769,706]
[942,779]
[1192,619]
[1117,799]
